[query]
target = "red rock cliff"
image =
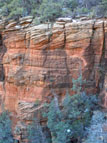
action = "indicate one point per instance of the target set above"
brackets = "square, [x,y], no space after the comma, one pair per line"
[31,56]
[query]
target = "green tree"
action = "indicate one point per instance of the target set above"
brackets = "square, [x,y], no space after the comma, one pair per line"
[68,120]
[5,128]
[4,11]
[69,7]
[16,9]
[101,9]
[35,132]
[49,10]
[54,117]
[12,9]
[71,4]
[95,133]
[90,3]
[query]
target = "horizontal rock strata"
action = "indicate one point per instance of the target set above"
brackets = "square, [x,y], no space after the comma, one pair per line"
[34,59]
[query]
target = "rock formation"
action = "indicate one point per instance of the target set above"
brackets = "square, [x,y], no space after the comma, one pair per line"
[34,59]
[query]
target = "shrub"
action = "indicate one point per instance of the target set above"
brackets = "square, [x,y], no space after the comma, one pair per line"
[49,10]
[35,132]
[69,120]
[5,128]
[95,132]
[101,9]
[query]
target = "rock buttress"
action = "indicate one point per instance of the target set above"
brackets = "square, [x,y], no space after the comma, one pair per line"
[37,55]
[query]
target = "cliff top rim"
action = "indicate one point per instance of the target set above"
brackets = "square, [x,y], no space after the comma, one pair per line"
[28,21]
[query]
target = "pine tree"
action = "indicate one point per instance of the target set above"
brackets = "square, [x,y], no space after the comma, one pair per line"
[95,132]
[5,128]
[68,121]
[50,10]
[35,132]
[101,9]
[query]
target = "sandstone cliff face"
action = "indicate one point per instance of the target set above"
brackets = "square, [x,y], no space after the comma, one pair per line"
[34,59]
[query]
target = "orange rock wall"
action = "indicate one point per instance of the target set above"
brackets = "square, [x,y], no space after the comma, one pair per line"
[37,58]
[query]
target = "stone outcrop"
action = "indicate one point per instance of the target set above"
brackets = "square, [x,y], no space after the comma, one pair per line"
[34,59]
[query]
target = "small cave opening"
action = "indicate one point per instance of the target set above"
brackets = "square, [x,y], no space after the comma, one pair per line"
[0,39]
[74,140]
[16,141]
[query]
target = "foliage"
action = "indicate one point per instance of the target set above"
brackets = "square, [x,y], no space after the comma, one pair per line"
[69,7]
[37,102]
[35,132]
[5,128]
[57,127]
[70,120]
[101,9]
[49,10]
[78,83]
[95,133]
[12,9]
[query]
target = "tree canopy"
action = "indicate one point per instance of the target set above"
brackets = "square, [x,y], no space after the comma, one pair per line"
[5,128]
[49,10]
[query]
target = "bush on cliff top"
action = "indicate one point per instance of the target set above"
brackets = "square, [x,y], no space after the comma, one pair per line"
[49,10]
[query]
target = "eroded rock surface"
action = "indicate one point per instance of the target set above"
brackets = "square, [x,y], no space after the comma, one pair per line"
[34,59]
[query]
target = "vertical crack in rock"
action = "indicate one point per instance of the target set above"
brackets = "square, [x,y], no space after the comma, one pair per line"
[103,63]
[91,52]
[2,72]
[27,57]
[66,63]
[92,49]
[45,51]
[27,42]
[2,52]
[103,71]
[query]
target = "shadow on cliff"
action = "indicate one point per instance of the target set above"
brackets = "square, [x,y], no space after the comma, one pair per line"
[103,64]
[2,52]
